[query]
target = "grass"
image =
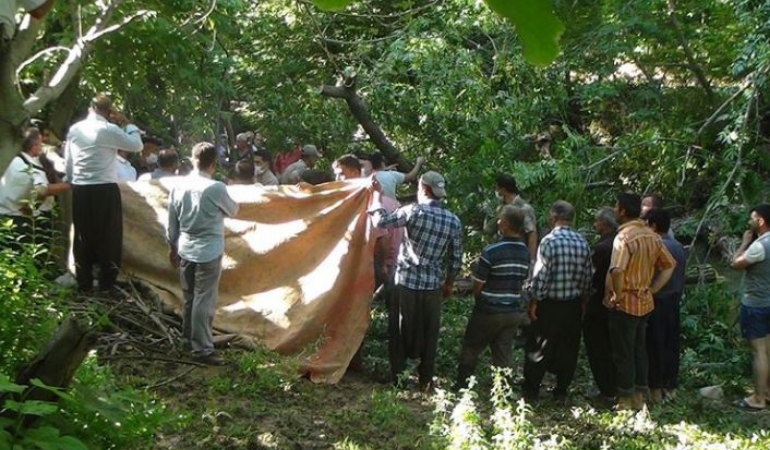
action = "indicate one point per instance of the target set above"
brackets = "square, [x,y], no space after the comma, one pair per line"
[257,402]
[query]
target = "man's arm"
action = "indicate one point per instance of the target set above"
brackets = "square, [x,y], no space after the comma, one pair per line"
[661,280]
[412,175]
[172,232]
[740,259]
[455,261]
[226,203]
[532,244]
[618,264]
[129,139]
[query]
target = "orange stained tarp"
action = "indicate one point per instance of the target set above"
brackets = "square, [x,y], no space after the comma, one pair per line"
[297,272]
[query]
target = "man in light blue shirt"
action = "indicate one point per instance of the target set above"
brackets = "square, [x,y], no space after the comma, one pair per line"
[196,235]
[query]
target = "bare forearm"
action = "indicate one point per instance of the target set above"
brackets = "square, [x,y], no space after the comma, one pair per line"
[661,281]
[618,281]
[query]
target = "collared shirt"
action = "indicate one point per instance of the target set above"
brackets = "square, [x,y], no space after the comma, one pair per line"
[23,182]
[91,151]
[676,284]
[389,180]
[563,268]
[502,267]
[126,171]
[430,232]
[757,281]
[638,252]
[293,173]
[196,217]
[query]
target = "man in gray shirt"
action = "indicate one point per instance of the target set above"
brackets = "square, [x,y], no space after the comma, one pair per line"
[196,236]
[753,256]
[91,158]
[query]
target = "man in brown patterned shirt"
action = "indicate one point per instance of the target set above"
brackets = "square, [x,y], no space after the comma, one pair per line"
[636,254]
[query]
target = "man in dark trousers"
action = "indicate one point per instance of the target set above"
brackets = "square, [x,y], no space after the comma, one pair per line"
[663,326]
[91,157]
[500,310]
[421,283]
[560,286]
[595,330]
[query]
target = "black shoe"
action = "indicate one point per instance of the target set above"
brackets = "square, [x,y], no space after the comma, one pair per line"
[212,359]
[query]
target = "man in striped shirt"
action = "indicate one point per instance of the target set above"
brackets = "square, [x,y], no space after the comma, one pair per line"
[637,253]
[499,311]
[558,293]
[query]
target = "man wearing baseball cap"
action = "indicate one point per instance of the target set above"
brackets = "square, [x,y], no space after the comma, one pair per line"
[421,284]
[309,156]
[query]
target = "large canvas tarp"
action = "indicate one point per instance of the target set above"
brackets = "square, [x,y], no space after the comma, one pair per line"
[297,272]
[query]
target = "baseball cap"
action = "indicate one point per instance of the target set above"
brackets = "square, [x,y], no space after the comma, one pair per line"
[436,182]
[311,150]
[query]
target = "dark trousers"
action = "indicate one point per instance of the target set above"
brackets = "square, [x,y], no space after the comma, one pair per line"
[414,321]
[663,342]
[98,219]
[596,334]
[496,330]
[629,351]
[200,285]
[553,345]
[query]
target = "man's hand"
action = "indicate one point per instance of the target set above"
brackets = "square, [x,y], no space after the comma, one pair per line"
[173,258]
[532,310]
[748,237]
[446,290]
[420,161]
[119,118]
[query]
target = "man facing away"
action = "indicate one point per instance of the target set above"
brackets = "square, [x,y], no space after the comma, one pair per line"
[663,326]
[196,212]
[637,252]
[753,256]
[499,311]
[168,163]
[559,288]
[596,332]
[389,179]
[507,192]
[91,157]
[431,233]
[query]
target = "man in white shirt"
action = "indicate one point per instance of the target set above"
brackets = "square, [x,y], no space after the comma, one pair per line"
[196,238]
[91,156]
[389,179]
[26,197]
[126,172]
[168,163]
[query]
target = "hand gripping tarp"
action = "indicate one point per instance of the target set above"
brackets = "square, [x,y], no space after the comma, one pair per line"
[297,271]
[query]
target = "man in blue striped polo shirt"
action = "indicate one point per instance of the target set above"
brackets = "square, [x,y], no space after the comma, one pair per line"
[499,311]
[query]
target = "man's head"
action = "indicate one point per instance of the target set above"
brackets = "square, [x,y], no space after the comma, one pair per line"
[102,105]
[628,207]
[310,154]
[651,201]
[510,221]
[432,186]
[605,221]
[760,219]
[259,140]
[242,142]
[346,167]
[33,142]
[168,160]
[659,220]
[204,157]
[243,173]
[261,161]
[316,177]
[561,214]
[505,186]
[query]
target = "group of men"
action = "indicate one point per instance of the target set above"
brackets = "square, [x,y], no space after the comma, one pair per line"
[622,296]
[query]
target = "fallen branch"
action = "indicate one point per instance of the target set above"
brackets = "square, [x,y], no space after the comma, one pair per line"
[172,379]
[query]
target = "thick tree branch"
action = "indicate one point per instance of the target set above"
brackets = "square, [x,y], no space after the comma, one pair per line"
[693,65]
[346,90]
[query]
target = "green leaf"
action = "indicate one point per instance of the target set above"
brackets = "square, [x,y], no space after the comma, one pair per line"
[536,24]
[332,5]
[48,438]
[54,390]
[32,407]
[6,385]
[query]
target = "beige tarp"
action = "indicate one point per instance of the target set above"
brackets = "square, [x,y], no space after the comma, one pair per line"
[297,271]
